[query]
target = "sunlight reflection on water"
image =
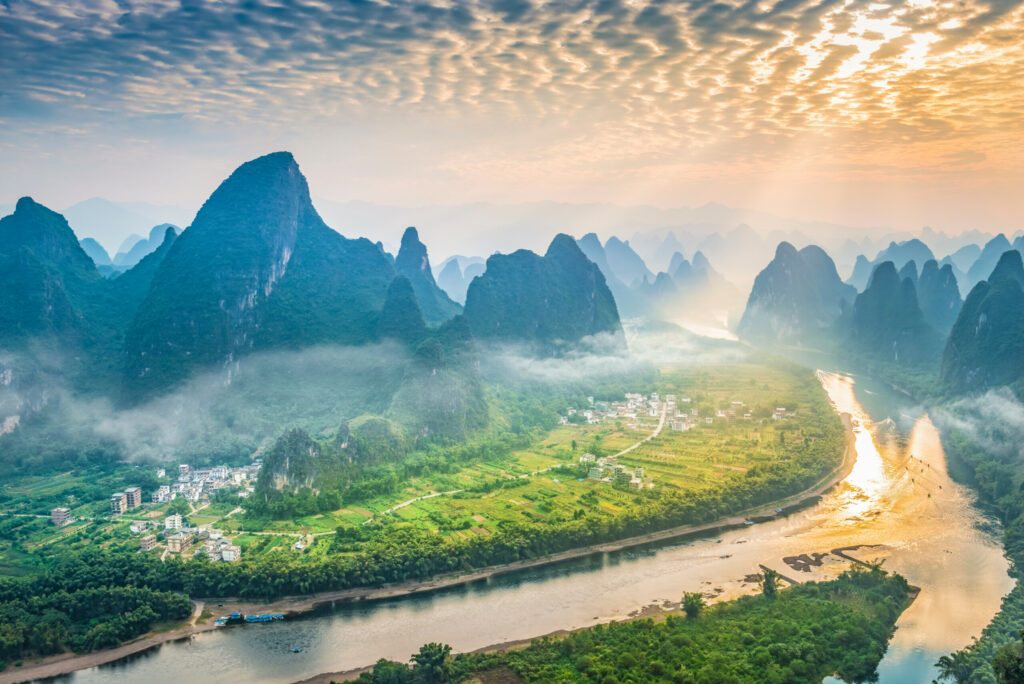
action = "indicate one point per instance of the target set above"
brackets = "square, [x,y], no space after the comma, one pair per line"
[898,498]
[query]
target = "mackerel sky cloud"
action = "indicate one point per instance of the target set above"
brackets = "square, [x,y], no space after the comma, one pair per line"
[822,103]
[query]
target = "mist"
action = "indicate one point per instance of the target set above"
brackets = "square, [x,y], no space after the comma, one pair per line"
[231,412]
[216,413]
[602,357]
[994,421]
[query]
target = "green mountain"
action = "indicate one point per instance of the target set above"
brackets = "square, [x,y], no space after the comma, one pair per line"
[798,296]
[559,297]
[413,263]
[986,345]
[939,295]
[258,269]
[53,297]
[887,324]
[401,318]
[130,288]
[49,286]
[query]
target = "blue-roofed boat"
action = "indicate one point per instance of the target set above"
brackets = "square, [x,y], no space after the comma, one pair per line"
[265,617]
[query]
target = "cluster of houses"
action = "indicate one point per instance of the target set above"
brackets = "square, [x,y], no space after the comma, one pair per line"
[608,470]
[632,408]
[196,484]
[680,414]
[179,538]
[193,484]
[122,502]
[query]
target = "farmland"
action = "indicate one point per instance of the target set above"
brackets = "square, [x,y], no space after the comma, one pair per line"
[709,427]
[545,484]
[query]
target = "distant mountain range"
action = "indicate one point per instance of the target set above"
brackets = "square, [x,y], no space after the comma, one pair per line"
[686,292]
[258,269]
[111,223]
[456,273]
[903,317]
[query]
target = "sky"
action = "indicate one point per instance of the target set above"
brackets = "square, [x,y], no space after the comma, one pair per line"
[895,113]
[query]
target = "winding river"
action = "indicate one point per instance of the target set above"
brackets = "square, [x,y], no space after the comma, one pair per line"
[897,505]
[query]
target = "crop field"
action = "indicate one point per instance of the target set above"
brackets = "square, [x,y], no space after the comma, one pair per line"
[732,425]
[546,484]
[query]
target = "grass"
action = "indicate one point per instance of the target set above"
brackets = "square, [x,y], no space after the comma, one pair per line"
[704,457]
[540,484]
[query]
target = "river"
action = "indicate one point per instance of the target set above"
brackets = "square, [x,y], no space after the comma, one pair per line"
[897,498]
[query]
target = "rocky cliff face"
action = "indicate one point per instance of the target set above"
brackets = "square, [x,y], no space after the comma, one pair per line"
[559,297]
[413,263]
[986,345]
[290,465]
[258,268]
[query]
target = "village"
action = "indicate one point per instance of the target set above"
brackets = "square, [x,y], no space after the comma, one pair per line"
[679,414]
[173,534]
[186,512]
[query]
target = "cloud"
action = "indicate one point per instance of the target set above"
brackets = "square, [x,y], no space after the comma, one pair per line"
[994,421]
[602,357]
[684,73]
[443,98]
[214,413]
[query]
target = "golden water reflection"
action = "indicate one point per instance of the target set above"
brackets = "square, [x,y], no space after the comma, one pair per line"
[900,497]
[897,503]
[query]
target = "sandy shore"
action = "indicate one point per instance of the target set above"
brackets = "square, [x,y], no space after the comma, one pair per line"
[295,605]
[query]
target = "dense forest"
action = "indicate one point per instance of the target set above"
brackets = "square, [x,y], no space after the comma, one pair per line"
[80,617]
[800,634]
[991,461]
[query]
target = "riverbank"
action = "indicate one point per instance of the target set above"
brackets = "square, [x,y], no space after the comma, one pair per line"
[655,613]
[294,606]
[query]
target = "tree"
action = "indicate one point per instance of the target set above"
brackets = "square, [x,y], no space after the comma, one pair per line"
[431,663]
[180,506]
[770,583]
[955,667]
[1009,663]
[693,604]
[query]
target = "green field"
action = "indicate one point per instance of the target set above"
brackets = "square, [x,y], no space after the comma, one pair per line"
[543,484]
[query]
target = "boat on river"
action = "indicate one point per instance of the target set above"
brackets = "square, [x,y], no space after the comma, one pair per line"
[265,617]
